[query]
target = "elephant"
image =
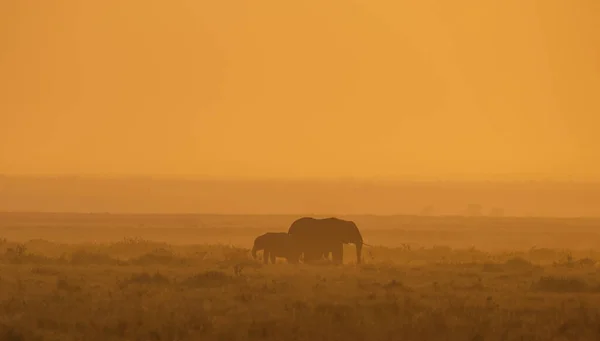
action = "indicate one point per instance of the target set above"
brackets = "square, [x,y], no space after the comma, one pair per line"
[318,237]
[276,244]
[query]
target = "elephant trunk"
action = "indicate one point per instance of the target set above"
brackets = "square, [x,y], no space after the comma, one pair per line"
[254,249]
[359,246]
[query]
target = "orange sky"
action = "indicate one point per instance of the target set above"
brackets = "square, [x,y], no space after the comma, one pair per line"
[365,88]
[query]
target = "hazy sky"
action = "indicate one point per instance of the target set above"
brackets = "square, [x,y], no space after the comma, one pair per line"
[364,88]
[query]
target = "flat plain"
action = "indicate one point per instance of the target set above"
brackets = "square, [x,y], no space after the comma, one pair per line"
[191,277]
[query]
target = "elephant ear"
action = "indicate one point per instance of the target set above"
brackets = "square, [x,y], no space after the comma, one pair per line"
[354,232]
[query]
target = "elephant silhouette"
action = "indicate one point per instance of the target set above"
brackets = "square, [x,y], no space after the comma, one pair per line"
[318,237]
[276,244]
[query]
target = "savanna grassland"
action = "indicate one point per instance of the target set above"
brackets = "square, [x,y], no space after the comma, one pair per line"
[105,277]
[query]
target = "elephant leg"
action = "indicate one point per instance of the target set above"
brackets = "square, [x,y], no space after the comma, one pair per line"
[311,255]
[273,258]
[266,256]
[338,253]
[291,257]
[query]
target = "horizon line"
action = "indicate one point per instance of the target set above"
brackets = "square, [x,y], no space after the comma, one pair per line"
[375,179]
[139,213]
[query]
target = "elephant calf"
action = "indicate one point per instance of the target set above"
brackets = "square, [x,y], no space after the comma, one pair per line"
[276,244]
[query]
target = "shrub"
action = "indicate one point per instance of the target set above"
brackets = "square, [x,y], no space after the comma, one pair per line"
[560,284]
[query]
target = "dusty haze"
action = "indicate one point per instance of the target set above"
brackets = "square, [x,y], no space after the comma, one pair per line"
[501,90]
[460,137]
[299,197]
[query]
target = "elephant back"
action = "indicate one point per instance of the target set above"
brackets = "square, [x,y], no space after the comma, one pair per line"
[326,229]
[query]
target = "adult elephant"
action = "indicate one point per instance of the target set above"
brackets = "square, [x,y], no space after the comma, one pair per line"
[321,236]
[276,244]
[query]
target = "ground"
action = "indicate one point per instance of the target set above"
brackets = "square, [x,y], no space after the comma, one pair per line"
[134,288]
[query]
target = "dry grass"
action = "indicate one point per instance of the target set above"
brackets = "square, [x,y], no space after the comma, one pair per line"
[140,290]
